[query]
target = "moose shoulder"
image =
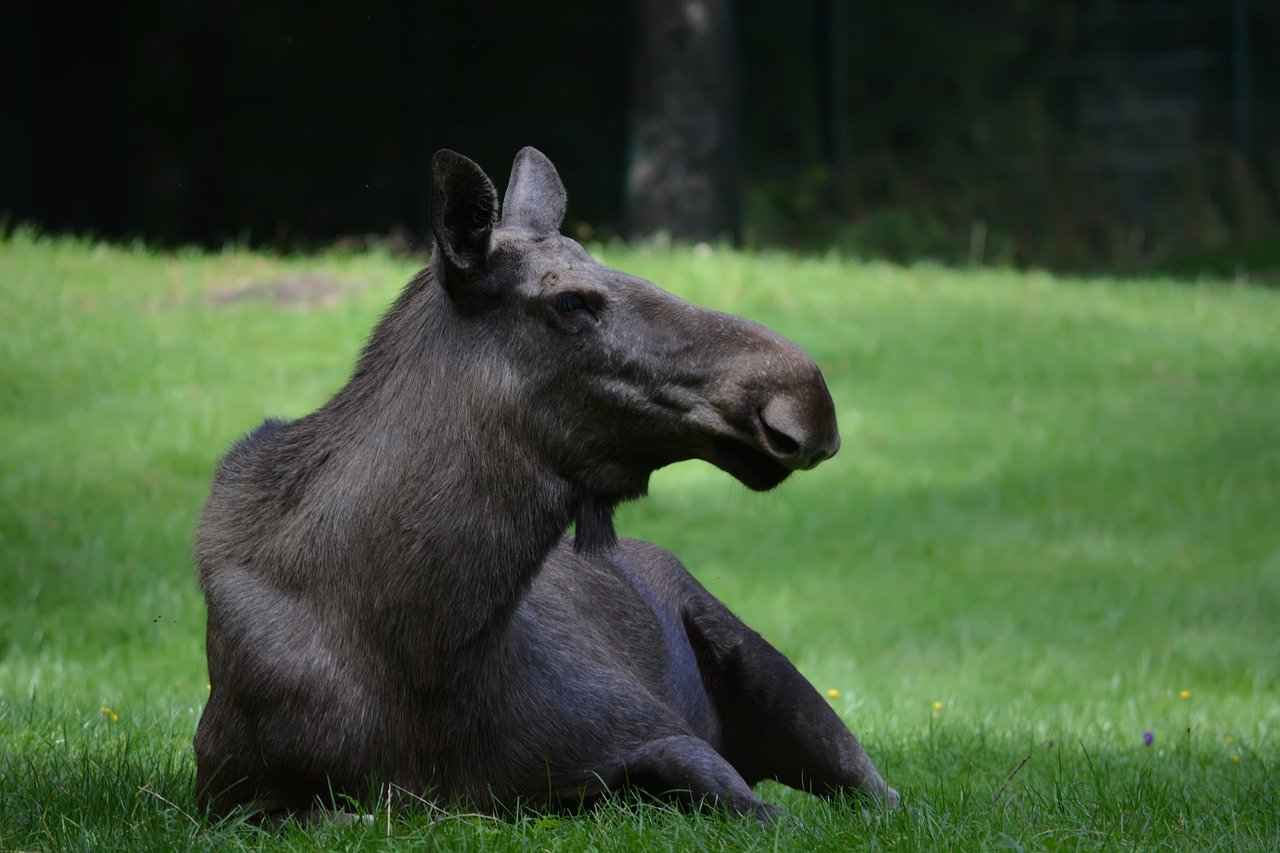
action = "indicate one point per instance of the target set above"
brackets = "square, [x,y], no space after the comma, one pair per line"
[392,602]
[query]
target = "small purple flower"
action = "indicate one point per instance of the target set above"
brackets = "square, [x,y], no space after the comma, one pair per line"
[1148,738]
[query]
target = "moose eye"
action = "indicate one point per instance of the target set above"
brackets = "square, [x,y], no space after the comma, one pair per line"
[567,303]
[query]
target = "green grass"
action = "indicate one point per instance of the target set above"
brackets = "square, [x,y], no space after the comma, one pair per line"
[1056,508]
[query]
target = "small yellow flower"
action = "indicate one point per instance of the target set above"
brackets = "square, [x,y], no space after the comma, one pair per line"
[1228,739]
[1184,694]
[937,705]
[833,693]
[1234,757]
[108,713]
[208,685]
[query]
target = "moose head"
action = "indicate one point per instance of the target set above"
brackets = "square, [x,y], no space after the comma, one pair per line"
[617,377]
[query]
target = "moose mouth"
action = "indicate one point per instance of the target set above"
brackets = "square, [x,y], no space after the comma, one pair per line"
[753,468]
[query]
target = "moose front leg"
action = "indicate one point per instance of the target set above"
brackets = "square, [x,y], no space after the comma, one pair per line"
[776,725]
[689,769]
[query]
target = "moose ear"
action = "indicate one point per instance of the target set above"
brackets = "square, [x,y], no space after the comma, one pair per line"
[464,209]
[535,197]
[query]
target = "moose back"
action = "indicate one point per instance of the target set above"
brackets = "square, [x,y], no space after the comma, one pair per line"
[392,601]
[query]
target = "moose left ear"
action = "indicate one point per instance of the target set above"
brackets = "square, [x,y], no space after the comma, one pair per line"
[535,197]
[464,208]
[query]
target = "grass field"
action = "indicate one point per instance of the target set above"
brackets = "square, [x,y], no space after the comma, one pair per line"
[1054,526]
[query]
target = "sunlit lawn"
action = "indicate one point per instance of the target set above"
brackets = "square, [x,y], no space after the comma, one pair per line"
[1054,526]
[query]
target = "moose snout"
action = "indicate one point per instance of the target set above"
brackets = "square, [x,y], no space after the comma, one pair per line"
[798,433]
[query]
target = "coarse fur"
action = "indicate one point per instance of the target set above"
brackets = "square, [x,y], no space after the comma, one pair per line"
[392,601]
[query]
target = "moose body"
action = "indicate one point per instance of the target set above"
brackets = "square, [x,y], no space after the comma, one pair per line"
[392,601]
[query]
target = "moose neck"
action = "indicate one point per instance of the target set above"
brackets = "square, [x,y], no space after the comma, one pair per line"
[456,503]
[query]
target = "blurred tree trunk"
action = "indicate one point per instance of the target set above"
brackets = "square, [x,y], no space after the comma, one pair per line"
[681,176]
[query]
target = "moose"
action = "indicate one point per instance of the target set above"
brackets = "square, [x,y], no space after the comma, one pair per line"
[394,603]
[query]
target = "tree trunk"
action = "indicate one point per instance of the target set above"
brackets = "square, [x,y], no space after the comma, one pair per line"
[682,173]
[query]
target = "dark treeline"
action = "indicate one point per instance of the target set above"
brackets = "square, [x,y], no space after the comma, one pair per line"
[1068,134]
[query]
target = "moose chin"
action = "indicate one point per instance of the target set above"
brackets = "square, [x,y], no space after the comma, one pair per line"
[393,604]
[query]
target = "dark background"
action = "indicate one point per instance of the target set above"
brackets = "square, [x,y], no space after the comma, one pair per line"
[1046,132]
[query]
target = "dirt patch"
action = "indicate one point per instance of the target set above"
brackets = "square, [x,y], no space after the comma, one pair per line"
[309,289]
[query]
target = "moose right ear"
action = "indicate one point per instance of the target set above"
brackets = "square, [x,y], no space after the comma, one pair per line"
[464,209]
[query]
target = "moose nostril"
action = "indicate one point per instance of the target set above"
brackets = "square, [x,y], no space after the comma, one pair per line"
[793,434]
[779,443]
